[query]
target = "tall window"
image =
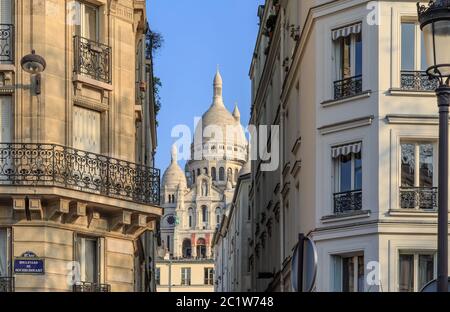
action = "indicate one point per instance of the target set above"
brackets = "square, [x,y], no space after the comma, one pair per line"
[218,215]
[415,270]
[168,243]
[6,32]
[185,276]
[87,255]
[4,253]
[413,52]
[213,173]
[5,119]
[347,51]
[191,218]
[347,167]
[349,273]
[208,276]
[86,129]
[89,22]
[158,276]
[204,214]
[418,181]
[221,174]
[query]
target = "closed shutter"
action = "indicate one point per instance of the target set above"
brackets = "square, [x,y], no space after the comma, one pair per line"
[5,12]
[5,119]
[86,131]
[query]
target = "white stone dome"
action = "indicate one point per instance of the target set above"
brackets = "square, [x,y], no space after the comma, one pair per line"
[217,125]
[174,175]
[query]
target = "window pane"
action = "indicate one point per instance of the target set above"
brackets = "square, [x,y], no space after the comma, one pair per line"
[408,164]
[348,274]
[360,273]
[346,173]
[406,278]
[358,54]
[358,172]
[426,269]
[3,252]
[408,45]
[426,165]
[91,260]
[423,54]
[90,22]
[346,57]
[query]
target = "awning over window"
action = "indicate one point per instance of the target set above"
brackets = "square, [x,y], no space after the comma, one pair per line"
[346,31]
[353,148]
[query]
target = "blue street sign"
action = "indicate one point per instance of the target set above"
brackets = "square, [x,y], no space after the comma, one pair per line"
[29,263]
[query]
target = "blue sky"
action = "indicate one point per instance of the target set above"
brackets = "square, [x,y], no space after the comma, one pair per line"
[198,35]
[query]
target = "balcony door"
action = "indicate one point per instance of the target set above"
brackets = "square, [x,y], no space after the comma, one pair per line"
[89,22]
[5,12]
[87,256]
[5,119]
[86,129]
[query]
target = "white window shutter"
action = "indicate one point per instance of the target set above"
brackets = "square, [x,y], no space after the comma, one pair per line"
[86,130]
[5,12]
[5,119]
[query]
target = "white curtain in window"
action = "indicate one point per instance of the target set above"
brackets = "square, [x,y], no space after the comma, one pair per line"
[86,129]
[353,148]
[5,12]
[346,31]
[5,119]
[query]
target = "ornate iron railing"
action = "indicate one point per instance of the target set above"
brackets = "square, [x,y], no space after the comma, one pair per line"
[417,81]
[91,287]
[347,201]
[92,59]
[347,87]
[418,198]
[56,165]
[6,43]
[6,284]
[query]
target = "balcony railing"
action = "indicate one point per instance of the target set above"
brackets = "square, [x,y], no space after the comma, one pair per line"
[417,81]
[345,202]
[91,287]
[347,87]
[6,43]
[6,284]
[418,198]
[56,165]
[92,59]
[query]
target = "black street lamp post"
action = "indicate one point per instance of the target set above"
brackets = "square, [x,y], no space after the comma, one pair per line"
[435,23]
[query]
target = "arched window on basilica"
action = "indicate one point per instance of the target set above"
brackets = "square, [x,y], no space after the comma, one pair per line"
[221,174]
[213,174]
[191,218]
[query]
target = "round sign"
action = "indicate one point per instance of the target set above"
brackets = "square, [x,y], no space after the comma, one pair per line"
[431,286]
[309,270]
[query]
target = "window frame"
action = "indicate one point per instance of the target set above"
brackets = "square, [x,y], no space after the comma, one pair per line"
[8,252]
[418,36]
[208,276]
[337,173]
[417,142]
[416,266]
[338,273]
[98,256]
[81,31]
[338,58]
[185,276]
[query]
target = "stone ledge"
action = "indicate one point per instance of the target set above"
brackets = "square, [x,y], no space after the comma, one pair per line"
[346,216]
[92,82]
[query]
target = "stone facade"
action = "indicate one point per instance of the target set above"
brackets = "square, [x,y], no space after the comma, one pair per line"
[72,191]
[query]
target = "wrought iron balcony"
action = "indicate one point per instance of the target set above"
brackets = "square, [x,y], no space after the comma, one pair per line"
[417,81]
[91,287]
[56,165]
[345,202]
[92,59]
[6,43]
[347,87]
[6,284]
[418,198]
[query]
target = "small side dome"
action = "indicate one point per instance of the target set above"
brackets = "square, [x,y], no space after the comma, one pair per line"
[174,175]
